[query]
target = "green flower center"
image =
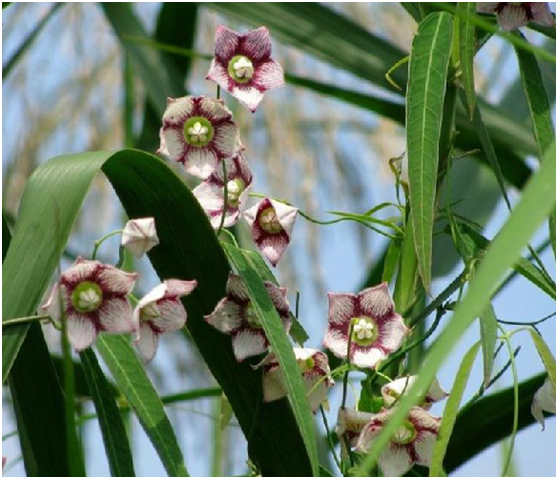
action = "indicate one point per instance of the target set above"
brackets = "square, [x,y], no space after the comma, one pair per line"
[251,316]
[198,131]
[269,221]
[234,189]
[86,297]
[306,365]
[365,331]
[149,312]
[241,69]
[405,433]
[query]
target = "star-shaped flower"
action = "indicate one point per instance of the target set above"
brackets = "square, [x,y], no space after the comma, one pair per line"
[94,300]
[198,132]
[160,311]
[411,444]
[235,315]
[377,329]
[139,236]
[243,65]
[211,195]
[392,391]
[314,367]
[544,400]
[514,15]
[272,224]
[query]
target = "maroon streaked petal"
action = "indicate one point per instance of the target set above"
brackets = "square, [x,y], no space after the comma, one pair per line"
[342,308]
[366,358]
[147,343]
[172,315]
[225,139]
[210,197]
[81,331]
[226,43]
[115,316]
[286,215]
[163,148]
[116,281]
[487,7]
[242,170]
[214,110]
[219,74]
[273,246]
[367,436]
[336,342]
[247,343]
[248,95]
[174,143]
[227,316]
[392,333]
[395,460]
[250,216]
[179,287]
[177,112]
[201,162]
[269,75]
[256,45]
[81,270]
[236,288]
[541,14]
[279,298]
[423,420]
[423,445]
[512,17]
[273,385]
[376,302]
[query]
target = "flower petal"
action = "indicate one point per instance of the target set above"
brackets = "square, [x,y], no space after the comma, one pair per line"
[114,280]
[256,44]
[52,306]
[226,43]
[269,75]
[366,358]
[541,14]
[286,215]
[394,460]
[273,385]
[214,110]
[236,288]
[336,342]
[319,393]
[248,343]
[544,400]
[376,302]
[226,317]
[248,95]
[341,308]
[163,148]
[487,7]
[352,421]
[147,343]
[423,420]
[115,316]
[172,315]
[225,139]
[210,197]
[81,331]
[81,270]
[424,444]
[201,162]
[250,215]
[180,287]
[273,246]
[512,17]
[219,74]
[392,333]
[278,297]
[172,140]
[139,236]
[177,112]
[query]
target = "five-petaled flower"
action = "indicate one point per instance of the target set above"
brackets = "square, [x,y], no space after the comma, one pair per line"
[211,192]
[236,315]
[198,132]
[512,15]
[411,444]
[314,367]
[160,311]
[272,224]
[377,330]
[544,400]
[391,392]
[94,299]
[243,65]
[139,236]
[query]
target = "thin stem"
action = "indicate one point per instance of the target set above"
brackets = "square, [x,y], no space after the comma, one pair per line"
[297,304]
[100,241]
[225,192]
[533,323]
[329,440]
[218,92]
[25,319]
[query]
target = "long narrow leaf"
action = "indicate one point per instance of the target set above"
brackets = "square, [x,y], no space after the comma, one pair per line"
[425,101]
[488,333]
[467,50]
[536,203]
[546,356]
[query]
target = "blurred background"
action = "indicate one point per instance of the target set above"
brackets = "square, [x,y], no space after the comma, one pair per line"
[66,94]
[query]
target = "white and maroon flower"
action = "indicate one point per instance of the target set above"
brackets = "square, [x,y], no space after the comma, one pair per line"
[160,311]
[377,329]
[94,300]
[211,192]
[243,65]
[350,423]
[315,369]
[139,236]
[235,315]
[198,132]
[272,224]
[392,391]
[544,400]
[411,444]
[514,15]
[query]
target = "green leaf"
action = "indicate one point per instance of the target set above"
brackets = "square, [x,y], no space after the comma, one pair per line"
[112,428]
[428,70]
[538,199]
[280,345]
[130,376]
[552,228]
[467,50]
[488,334]
[546,356]
[406,283]
[451,410]
[189,249]
[391,261]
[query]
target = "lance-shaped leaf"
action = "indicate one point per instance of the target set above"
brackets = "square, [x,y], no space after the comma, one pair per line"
[428,70]
[467,50]
[546,357]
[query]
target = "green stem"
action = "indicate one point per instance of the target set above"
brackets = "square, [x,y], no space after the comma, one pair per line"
[100,241]
[225,192]
[329,439]
[532,323]
[25,319]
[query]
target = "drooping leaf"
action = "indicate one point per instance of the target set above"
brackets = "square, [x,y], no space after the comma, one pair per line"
[280,345]
[451,410]
[538,199]
[546,356]
[428,70]
[391,261]
[488,330]
[467,50]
